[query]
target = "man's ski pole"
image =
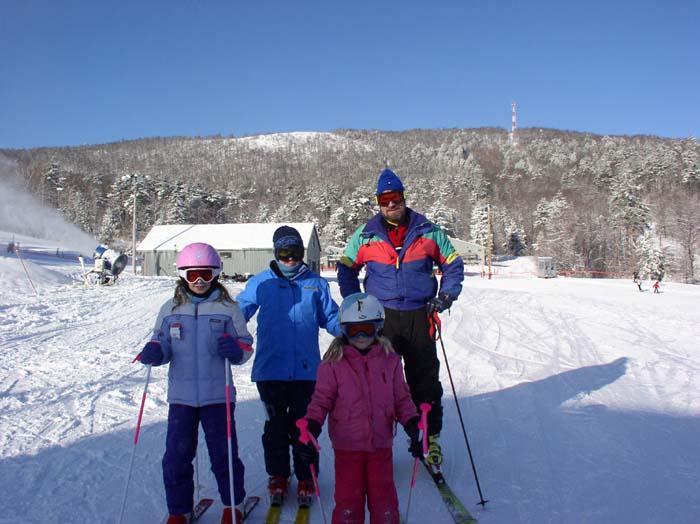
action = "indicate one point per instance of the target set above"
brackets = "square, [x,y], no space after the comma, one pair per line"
[435,320]
[136,435]
[423,426]
[305,438]
[230,436]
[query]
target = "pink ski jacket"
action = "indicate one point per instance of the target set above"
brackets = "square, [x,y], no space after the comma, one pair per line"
[363,396]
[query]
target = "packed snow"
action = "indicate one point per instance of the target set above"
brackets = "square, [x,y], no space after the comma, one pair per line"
[580,399]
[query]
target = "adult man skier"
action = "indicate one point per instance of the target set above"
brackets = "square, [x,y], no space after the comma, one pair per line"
[398,248]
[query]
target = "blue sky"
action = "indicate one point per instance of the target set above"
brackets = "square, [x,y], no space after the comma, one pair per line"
[88,72]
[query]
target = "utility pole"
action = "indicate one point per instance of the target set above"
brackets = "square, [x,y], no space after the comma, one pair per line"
[488,218]
[133,227]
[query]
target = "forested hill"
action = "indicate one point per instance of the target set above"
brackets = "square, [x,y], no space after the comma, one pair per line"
[604,203]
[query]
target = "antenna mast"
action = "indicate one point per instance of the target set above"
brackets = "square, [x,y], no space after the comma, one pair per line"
[513,122]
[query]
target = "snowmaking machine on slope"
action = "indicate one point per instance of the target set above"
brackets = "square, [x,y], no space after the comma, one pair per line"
[107,266]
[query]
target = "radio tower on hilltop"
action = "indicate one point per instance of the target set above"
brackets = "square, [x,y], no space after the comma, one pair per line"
[513,122]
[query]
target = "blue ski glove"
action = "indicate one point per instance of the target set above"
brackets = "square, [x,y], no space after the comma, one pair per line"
[228,347]
[152,353]
[439,303]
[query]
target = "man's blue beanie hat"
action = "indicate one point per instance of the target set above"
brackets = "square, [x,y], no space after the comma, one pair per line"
[286,236]
[388,181]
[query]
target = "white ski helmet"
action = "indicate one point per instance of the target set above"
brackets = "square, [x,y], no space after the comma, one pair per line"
[361,307]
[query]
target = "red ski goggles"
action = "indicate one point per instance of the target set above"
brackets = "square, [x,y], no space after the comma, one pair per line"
[392,196]
[193,274]
[366,329]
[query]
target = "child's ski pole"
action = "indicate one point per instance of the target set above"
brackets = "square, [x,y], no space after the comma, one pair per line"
[136,435]
[423,426]
[305,438]
[230,435]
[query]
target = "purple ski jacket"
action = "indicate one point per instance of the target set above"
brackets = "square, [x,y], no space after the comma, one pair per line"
[363,397]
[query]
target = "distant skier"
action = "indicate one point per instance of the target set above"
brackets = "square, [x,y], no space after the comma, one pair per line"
[656,286]
[362,391]
[637,280]
[195,332]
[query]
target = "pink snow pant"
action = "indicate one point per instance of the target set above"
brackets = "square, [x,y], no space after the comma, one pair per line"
[361,475]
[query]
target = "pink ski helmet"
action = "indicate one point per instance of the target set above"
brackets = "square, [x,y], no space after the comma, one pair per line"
[198,254]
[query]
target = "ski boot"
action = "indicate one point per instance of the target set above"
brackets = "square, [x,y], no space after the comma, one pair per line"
[277,489]
[305,493]
[434,458]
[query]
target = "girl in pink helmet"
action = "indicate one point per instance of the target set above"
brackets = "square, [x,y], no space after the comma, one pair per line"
[195,332]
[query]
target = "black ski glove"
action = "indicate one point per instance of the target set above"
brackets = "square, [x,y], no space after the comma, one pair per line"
[313,427]
[307,453]
[439,303]
[416,446]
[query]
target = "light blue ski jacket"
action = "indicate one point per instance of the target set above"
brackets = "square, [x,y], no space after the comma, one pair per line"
[188,337]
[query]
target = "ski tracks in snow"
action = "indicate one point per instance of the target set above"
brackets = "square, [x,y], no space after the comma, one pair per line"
[66,354]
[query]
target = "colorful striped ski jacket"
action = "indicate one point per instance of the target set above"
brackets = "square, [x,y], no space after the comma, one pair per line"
[402,280]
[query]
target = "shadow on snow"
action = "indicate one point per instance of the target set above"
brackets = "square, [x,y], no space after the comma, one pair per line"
[543,454]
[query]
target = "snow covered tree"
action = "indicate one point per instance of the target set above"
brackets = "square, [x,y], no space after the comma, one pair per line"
[515,242]
[479,228]
[336,232]
[551,228]
[629,213]
[111,225]
[176,211]
[691,167]
[685,225]
[53,185]
[649,260]
[443,217]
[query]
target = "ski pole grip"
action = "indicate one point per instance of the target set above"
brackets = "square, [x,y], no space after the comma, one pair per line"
[423,424]
[305,436]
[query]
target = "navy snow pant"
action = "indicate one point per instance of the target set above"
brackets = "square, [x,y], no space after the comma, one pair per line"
[180,449]
[409,333]
[285,403]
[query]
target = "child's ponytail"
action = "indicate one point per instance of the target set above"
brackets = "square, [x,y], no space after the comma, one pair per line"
[335,350]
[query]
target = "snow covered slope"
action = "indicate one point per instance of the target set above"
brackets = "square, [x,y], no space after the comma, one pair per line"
[581,401]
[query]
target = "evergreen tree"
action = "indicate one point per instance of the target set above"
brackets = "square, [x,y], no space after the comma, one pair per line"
[479,229]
